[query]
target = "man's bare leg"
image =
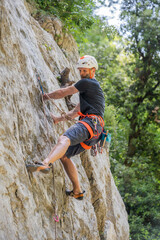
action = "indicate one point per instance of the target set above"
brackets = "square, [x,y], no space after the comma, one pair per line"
[72,173]
[58,150]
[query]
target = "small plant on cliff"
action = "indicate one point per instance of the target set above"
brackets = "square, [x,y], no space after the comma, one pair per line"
[48,48]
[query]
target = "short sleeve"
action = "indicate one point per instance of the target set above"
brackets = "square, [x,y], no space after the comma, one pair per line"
[82,85]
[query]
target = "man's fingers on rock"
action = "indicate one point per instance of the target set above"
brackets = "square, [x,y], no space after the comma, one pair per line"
[45,96]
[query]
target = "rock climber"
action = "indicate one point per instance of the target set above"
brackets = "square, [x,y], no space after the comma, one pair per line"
[86,132]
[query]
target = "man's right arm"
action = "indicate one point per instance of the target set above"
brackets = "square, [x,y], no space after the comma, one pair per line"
[60,93]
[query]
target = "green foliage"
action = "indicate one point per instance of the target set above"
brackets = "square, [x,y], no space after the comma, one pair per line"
[139,181]
[142,22]
[77,15]
[140,191]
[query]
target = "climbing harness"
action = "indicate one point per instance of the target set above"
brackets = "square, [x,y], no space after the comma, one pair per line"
[95,120]
[105,136]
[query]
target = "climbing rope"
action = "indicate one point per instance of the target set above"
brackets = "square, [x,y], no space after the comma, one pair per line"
[63,114]
[55,217]
[46,122]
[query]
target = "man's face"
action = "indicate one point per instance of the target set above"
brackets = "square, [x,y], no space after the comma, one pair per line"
[84,72]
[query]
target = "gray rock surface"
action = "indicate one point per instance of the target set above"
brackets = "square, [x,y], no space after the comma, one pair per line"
[28,201]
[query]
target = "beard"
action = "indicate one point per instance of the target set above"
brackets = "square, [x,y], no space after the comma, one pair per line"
[85,76]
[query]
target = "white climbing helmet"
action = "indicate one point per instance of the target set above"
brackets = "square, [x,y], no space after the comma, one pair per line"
[87,61]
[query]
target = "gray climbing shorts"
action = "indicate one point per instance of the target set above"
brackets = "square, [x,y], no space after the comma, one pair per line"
[79,133]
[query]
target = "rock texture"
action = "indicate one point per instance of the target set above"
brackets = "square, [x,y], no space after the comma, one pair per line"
[28,201]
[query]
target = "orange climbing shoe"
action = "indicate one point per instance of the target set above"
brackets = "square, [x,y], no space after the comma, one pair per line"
[78,196]
[38,167]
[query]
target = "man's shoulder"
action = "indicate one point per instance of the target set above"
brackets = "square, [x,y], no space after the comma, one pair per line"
[83,82]
[87,83]
[88,80]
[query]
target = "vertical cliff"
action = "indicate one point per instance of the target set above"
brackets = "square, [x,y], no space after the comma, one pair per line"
[28,201]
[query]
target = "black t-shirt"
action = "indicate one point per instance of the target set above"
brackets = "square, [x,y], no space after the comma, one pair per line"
[91,97]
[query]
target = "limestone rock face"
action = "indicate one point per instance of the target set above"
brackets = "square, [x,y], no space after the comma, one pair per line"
[28,202]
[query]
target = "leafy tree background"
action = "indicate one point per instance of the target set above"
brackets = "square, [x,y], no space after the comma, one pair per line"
[129,74]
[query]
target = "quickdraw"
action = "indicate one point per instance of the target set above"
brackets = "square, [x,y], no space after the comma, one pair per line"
[94,151]
[56,218]
[39,81]
[99,148]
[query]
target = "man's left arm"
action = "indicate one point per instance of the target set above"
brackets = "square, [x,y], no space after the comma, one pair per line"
[70,115]
[60,93]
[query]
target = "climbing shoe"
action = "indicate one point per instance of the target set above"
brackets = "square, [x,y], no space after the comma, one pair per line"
[38,167]
[78,196]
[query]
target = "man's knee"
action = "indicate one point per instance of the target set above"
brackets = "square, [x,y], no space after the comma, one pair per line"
[64,141]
